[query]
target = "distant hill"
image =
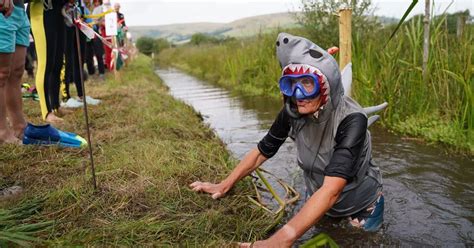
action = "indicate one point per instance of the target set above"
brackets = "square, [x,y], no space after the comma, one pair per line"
[242,27]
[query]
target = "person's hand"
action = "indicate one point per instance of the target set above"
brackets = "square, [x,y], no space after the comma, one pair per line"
[215,190]
[6,7]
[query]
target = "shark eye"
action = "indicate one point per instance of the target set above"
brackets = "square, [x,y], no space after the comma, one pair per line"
[285,40]
[278,43]
[315,54]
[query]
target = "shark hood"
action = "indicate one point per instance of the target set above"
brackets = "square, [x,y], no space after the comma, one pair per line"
[298,55]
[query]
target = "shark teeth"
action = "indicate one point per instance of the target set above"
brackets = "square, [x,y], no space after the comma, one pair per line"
[301,68]
[306,69]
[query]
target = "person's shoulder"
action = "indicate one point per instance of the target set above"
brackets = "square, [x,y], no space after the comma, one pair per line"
[355,119]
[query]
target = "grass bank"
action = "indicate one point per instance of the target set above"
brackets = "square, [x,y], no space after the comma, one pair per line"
[438,109]
[148,147]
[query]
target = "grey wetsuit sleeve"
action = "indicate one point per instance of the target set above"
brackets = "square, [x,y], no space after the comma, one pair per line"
[276,136]
[350,139]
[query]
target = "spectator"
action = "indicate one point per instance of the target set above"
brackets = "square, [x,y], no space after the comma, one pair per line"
[73,65]
[97,47]
[48,31]
[14,30]
[120,16]
[122,27]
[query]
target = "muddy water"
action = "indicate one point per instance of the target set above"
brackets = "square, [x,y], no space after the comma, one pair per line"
[429,195]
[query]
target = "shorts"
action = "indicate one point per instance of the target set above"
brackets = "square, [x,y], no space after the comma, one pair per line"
[14,30]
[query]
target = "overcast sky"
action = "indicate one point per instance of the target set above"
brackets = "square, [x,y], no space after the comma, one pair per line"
[158,12]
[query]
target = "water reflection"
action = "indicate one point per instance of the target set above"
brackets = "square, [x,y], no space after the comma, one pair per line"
[429,195]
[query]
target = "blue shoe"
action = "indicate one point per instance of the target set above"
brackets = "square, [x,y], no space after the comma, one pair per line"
[48,135]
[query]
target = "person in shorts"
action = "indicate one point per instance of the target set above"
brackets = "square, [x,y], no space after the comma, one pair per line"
[15,38]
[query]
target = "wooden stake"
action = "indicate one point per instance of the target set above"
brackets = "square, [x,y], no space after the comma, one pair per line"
[461,22]
[345,38]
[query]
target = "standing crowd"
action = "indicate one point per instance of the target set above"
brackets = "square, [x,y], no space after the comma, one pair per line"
[48,32]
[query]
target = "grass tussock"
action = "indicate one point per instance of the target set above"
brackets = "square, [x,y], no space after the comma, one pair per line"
[148,147]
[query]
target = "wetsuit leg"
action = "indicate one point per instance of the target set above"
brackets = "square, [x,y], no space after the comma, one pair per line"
[69,55]
[59,41]
[36,13]
[73,69]
[90,57]
[99,55]
[47,27]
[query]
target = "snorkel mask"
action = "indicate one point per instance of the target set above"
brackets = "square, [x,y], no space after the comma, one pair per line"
[301,87]
[300,82]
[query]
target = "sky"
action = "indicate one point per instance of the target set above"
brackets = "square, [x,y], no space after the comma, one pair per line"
[160,12]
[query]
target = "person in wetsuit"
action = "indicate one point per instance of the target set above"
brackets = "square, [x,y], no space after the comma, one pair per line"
[48,32]
[332,141]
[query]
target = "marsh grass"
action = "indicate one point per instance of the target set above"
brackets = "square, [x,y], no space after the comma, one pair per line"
[438,109]
[148,147]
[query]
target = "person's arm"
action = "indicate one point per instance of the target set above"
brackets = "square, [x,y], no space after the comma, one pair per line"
[350,139]
[266,148]
[313,210]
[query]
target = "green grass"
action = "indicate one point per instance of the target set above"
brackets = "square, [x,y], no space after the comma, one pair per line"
[148,147]
[440,109]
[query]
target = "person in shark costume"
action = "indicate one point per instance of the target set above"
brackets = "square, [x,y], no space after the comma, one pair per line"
[333,144]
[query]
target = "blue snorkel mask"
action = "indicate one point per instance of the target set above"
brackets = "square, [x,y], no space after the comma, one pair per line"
[292,86]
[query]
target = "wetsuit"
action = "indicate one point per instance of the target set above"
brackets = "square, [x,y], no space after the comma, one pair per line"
[73,65]
[48,31]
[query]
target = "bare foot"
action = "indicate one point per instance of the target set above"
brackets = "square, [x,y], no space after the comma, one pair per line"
[7,137]
[53,119]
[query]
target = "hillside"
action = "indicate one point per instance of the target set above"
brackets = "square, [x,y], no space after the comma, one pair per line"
[242,27]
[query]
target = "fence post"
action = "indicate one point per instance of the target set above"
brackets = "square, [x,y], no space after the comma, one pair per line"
[345,38]
[461,22]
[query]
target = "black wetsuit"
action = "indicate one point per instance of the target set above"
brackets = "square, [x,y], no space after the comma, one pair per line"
[49,76]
